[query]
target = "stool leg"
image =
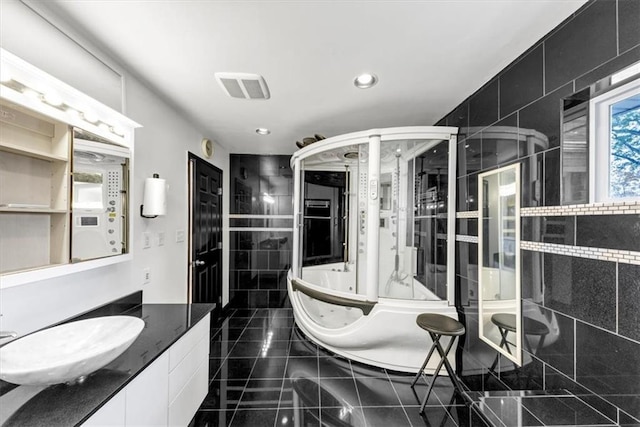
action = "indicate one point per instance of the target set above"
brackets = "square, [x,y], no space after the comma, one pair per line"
[415,379]
[433,380]
[447,365]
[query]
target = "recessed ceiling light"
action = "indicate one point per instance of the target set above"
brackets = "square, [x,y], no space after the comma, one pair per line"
[365,81]
[263,131]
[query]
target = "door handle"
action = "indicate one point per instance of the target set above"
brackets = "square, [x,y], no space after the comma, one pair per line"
[198,263]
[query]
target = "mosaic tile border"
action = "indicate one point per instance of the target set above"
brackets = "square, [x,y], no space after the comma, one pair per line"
[467,214]
[465,238]
[611,208]
[614,255]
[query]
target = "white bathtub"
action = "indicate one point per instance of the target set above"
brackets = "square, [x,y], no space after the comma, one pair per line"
[388,337]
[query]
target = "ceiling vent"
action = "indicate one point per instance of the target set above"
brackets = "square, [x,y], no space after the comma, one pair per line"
[243,85]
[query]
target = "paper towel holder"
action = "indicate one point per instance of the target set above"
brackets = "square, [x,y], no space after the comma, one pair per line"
[155,201]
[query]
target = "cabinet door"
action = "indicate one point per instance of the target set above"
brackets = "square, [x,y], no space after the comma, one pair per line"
[148,395]
[111,414]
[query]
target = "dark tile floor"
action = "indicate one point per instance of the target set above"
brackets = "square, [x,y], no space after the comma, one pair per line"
[264,372]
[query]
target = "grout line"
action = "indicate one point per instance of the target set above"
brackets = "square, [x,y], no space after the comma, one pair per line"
[284,375]
[575,350]
[355,384]
[397,396]
[248,376]
[617,27]
[617,301]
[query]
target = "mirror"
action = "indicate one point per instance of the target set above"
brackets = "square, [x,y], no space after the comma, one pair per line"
[578,148]
[324,213]
[100,196]
[499,248]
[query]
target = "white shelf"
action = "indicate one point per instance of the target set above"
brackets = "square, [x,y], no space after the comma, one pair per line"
[32,210]
[38,154]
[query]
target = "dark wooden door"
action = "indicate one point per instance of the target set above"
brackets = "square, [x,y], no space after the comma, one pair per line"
[206,232]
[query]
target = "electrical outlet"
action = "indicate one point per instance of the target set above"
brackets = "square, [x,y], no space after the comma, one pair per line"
[161,238]
[179,236]
[146,240]
[146,276]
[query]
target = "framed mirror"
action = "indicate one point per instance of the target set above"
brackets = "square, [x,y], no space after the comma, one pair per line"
[499,248]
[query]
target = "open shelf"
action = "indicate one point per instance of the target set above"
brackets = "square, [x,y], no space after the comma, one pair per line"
[31,152]
[34,195]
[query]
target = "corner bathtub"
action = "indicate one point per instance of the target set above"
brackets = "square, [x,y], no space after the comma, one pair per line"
[388,337]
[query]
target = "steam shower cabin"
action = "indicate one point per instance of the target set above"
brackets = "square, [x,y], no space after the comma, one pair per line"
[373,242]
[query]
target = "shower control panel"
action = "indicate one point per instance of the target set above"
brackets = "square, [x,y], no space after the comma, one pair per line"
[373,189]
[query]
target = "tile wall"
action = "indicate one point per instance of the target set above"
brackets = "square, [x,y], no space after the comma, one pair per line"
[580,263]
[260,230]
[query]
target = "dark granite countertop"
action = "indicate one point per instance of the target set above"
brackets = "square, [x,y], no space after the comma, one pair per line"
[69,405]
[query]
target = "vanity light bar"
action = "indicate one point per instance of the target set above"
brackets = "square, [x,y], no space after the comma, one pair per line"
[53,100]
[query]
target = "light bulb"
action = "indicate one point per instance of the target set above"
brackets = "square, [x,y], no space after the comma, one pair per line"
[365,81]
[90,117]
[52,99]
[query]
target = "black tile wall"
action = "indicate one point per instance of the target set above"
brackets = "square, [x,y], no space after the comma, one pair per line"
[629,300]
[557,347]
[483,106]
[581,44]
[261,222]
[531,281]
[552,177]
[609,366]
[601,297]
[459,117]
[554,380]
[470,154]
[531,173]
[581,288]
[543,116]
[629,24]
[625,420]
[609,231]
[498,151]
[616,64]
[462,194]
[467,226]
[548,229]
[472,185]
[522,82]
[259,258]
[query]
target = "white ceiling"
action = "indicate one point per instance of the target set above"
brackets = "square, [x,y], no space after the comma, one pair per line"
[429,56]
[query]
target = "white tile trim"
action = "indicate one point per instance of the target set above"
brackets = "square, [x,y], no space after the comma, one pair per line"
[603,254]
[260,229]
[467,214]
[609,208]
[251,216]
[465,238]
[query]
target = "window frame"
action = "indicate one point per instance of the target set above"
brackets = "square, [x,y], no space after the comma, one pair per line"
[600,141]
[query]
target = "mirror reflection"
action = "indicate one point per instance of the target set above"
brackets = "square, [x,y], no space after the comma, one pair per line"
[99,207]
[324,217]
[498,242]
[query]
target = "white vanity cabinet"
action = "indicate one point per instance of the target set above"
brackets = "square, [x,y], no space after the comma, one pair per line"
[169,391]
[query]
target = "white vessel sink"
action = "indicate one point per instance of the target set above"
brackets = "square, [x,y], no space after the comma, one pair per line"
[67,352]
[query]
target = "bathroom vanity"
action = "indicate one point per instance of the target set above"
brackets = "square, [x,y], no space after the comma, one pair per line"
[161,379]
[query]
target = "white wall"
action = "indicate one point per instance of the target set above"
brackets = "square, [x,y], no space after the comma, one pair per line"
[161,146]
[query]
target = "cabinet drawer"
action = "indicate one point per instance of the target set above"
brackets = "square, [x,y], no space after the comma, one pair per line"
[187,367]
[184,345]
[187,402]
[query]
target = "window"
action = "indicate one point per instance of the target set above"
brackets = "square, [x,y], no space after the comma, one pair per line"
[615,148]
